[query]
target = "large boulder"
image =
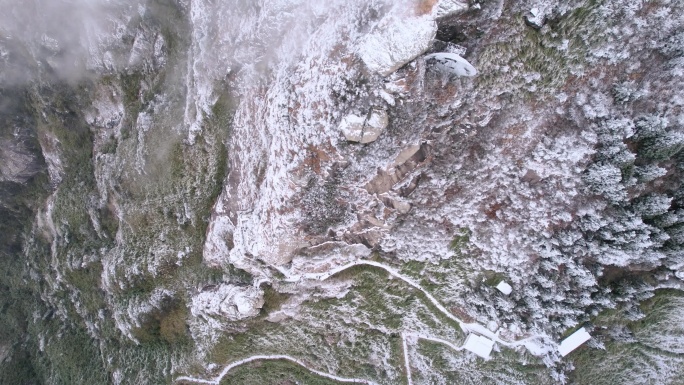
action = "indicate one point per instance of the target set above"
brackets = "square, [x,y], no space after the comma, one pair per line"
[536,18]
[450,7]
[364,129]
[451,63]
[229,302]
[397,41]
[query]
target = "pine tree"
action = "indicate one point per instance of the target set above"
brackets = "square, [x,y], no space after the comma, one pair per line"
[661,146]
[649,126]
[652,205]
[648,173]
[606,179]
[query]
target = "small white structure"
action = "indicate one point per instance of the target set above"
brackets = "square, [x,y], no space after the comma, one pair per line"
[504,287]
[479,345]
[573,341]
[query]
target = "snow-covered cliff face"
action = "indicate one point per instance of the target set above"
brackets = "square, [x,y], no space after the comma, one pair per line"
[294,144]
[211,180]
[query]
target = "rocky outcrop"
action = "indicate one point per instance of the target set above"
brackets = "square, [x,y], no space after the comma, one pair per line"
[401,206]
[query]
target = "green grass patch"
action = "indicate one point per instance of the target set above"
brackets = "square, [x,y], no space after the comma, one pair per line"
[273,300]
[167,325]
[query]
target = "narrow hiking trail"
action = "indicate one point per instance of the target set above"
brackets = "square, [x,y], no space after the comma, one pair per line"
[274,357]
[465,326]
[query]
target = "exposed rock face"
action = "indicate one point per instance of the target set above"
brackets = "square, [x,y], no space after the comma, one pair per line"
[407,161]
[398,39]
[375,125]
[228,302]
[19,145]
[17,163]
[21,165]
[401,206]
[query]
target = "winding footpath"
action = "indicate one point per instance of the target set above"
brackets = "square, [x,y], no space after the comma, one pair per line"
[473,327]
[467,327]
[276,357]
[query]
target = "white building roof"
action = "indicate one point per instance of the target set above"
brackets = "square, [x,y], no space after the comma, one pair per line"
[479,345]
[573,341]
[504,287]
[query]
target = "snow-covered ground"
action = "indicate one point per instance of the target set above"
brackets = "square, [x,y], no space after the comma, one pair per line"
[367,172]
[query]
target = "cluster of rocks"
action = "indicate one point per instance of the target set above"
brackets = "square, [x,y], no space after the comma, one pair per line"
[396,42]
